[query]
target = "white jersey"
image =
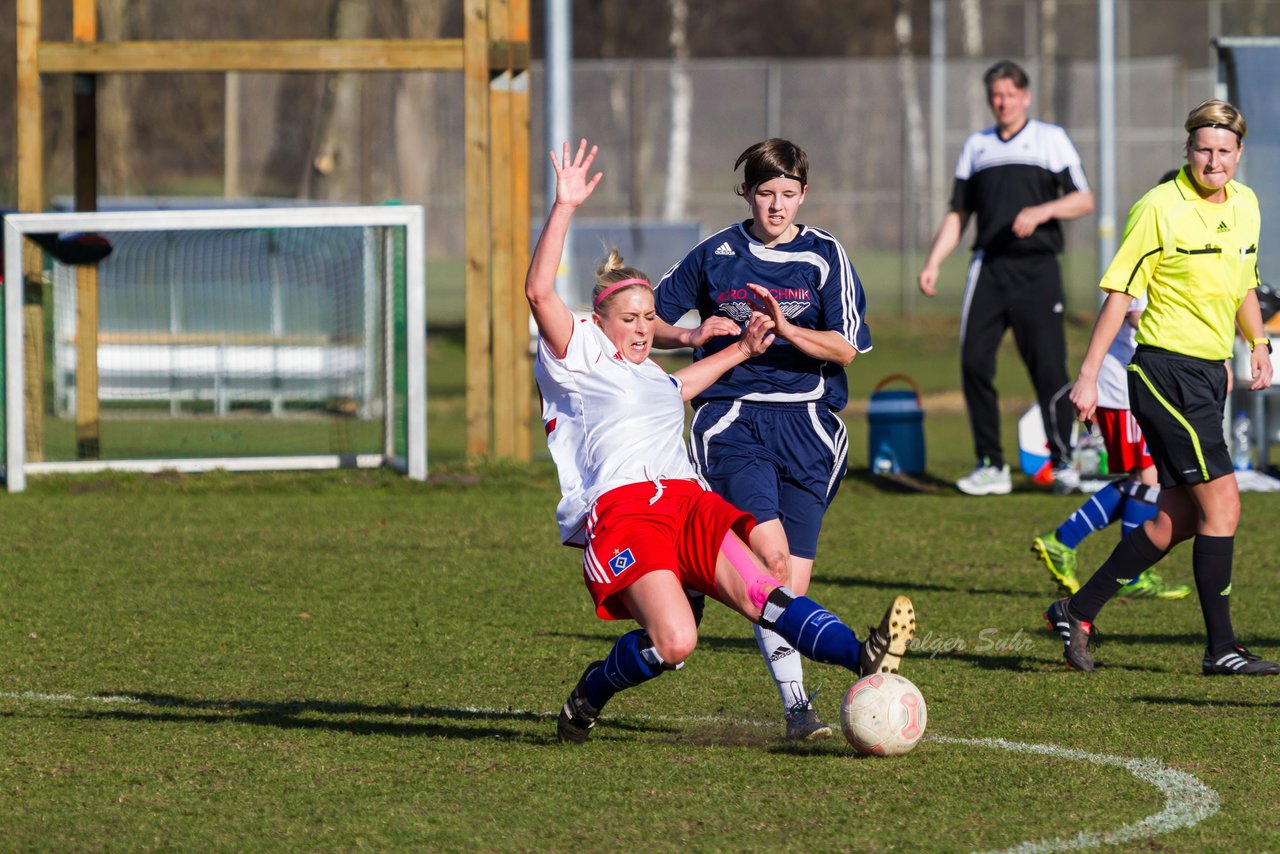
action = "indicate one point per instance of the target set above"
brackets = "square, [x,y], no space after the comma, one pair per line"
[609,423]
[1113,376]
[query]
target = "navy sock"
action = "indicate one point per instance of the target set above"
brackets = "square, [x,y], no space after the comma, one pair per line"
[1211,560]
[1130,558]
[1098,511]
[812,629]
[1140,505]
[631,661]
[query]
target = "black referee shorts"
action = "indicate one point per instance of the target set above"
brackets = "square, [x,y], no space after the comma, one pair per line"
[1179,402]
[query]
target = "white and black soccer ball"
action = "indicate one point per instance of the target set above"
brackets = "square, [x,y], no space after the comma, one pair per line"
[883,715]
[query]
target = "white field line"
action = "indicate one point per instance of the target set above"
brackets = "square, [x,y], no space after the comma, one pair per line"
[1187,801]
[64,698]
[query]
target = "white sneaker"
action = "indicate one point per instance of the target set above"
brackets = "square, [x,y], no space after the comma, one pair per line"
[986,480]
[1066,480]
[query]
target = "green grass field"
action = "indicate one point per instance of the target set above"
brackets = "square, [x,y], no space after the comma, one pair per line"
[349,660]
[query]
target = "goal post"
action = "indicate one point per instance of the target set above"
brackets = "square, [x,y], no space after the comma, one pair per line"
[245,339]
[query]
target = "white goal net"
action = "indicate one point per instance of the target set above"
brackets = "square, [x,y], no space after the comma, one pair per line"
[234,338]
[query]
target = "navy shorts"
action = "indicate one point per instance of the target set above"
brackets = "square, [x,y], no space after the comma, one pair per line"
[775,461]
[1179,402]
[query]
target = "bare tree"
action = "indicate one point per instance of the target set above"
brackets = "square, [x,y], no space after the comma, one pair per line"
[971,27]
[1048,82]
[335,168]
[913,119]
[418,135]
[615,39]
[676,199]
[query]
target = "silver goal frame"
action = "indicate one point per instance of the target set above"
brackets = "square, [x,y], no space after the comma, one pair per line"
[408,217]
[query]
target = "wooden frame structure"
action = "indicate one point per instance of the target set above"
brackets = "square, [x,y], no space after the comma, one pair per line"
[493,56]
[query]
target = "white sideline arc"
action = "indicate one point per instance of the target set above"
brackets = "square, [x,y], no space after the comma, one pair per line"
[1187,801]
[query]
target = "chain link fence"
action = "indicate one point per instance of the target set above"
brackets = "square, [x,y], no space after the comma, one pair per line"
[866,185]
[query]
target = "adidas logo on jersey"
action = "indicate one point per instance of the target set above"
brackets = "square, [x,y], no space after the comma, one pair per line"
[724,249]
[1222,226]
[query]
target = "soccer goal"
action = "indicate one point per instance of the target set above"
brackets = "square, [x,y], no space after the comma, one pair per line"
[240,339]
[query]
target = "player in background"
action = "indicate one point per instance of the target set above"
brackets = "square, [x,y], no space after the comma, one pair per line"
[1131,501]
[1190,248]
[767,435]
[631,499]
[1021,178]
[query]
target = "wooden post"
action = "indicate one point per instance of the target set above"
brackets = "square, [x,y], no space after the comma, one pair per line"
[502,273]
[30,116]
[509,165]
[85,105]
[518,34]
[476,94]
[88,437]
[33,362]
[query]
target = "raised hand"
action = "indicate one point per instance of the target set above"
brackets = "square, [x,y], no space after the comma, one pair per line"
[572,185]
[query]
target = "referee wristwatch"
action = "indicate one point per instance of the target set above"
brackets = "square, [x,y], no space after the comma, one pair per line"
[1263,342]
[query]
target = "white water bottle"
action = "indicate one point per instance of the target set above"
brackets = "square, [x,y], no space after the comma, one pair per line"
[1088,454]
[1241,444]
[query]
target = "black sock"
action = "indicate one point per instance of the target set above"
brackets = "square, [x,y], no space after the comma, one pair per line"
[697,604]
[1131,556]
[1211,563]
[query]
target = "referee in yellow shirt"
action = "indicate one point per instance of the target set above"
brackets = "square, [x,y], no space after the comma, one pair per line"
[1191,247]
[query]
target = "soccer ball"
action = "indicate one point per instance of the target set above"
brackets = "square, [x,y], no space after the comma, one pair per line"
[883,714]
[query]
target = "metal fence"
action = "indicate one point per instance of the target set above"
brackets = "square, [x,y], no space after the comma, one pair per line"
[847,113]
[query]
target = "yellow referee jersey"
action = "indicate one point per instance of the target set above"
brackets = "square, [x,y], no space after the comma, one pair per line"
[1194,260]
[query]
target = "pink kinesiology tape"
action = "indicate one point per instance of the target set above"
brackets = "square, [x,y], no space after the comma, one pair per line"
[759,583]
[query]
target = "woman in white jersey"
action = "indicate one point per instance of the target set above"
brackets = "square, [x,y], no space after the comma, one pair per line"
[647,524]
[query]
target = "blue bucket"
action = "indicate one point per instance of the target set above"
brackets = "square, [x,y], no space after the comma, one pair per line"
[895,440]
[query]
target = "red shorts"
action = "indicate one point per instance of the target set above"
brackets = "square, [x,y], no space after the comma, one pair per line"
[642,527]
[1126,449]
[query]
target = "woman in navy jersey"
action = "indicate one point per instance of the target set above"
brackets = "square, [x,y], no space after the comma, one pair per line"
[766,435]
[649,527]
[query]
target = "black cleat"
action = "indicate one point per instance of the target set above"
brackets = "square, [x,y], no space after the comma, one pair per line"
[885,645]
[577,717]
[1238,661]
[1075,635]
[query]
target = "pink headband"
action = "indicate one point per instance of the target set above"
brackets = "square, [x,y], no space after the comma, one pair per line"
[617,286]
